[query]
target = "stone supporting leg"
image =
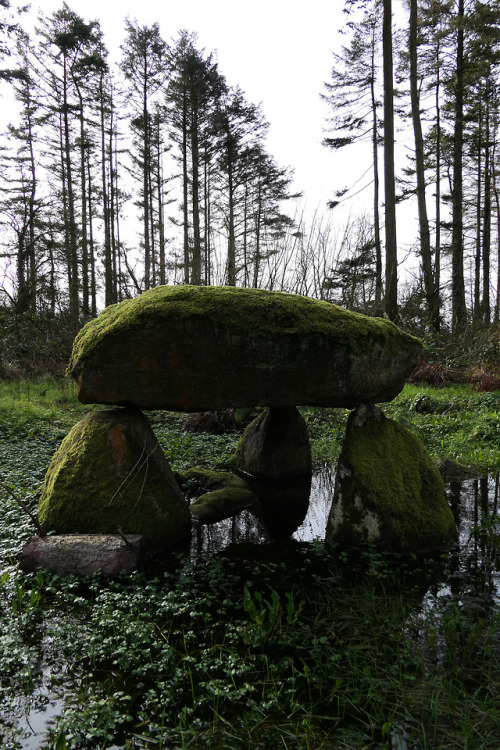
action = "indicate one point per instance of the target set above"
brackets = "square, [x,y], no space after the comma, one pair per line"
[388,490]
[109,476]
[275,445]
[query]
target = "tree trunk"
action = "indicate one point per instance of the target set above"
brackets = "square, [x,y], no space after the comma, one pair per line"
[231,242]
[108,268]
[70,224]
[485,306]
[376,182]
[83,187]
[145,183]
[437,249]
[391,256]
[459,311]
[185,189]
[431,292]
[479,195]
[195,191]
[93,281]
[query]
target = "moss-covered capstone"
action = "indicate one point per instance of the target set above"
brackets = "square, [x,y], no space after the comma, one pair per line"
[275,444]
[193,348]
[109,474]
[388,491]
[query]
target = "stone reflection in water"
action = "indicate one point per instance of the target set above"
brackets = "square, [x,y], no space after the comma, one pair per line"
[294,509]
[239,529]
[321,496]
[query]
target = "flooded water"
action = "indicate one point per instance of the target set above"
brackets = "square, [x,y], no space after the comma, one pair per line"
[296,513]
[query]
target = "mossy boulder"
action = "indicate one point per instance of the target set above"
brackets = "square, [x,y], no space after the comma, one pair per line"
[274,445]
[388,490]
[193,348]
[109,474]
[199,480]
[222,503]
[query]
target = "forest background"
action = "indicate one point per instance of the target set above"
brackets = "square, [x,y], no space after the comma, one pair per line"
[161,141]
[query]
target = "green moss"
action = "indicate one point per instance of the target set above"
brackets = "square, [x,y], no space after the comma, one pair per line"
[222,503]
[96,486]
[392,483]
[200,479]
[237,309]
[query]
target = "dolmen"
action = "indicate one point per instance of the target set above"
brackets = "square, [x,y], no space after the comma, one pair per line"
[195,348]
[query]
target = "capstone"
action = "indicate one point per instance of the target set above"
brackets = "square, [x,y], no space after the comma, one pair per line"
[194,348]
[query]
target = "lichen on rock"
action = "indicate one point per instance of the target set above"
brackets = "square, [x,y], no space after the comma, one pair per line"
[110,474]
[388,491]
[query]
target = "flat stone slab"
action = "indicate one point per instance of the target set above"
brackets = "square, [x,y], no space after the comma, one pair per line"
[84,554]
[193,348]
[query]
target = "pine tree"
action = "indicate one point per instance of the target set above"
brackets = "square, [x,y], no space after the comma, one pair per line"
[144,64]
[353,95]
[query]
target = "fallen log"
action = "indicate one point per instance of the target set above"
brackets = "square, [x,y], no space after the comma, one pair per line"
[84,554]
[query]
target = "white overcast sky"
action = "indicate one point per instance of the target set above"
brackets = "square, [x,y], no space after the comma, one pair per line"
[279,52]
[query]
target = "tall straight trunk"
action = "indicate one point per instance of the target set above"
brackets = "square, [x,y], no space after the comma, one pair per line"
[33,282]
[70,225]
[112,207]
[245,237]
[52,283]
[207,219]
[496,193]
[108,266]
[152,222]
[437,249]
[485,305]
[391,253]
[83,189]
[145,185]
[93,281]
[459,310]
[185,188]
[160,208]
[119,280]
[231,241]
[376,180]
[64,190]
[479,195]
[431,292]
[112,200]
[195,194]
[258,231]
[22,287]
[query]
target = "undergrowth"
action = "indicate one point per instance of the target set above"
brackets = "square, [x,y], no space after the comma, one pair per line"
[315,649]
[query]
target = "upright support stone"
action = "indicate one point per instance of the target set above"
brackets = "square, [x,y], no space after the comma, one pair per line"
[109,476]
[388,490]
[275,445]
